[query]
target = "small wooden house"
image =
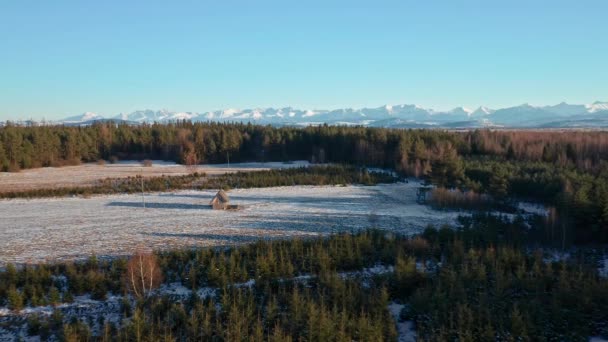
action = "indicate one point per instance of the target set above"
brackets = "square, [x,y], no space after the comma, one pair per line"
[220,201]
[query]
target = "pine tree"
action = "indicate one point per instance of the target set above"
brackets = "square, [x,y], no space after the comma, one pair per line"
[499,183]
[54,296]
[11,274]
[447,169]
[3,159]
[15,299]
[518,325]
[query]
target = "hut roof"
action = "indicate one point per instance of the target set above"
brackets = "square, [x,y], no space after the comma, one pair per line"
[221,196]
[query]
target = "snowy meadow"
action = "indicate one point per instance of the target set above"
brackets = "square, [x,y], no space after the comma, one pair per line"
[42,230]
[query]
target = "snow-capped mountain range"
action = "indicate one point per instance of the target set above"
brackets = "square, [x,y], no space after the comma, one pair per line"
[406,116]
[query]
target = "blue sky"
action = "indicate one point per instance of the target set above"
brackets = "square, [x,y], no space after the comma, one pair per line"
[61,58]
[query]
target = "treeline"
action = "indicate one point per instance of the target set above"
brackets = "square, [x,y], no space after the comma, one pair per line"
[583,150]
[313,175]
[409,151]
[456,199]
[476,283]
[185,142]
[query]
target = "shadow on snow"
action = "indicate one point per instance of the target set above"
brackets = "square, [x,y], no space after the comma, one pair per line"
[154,205]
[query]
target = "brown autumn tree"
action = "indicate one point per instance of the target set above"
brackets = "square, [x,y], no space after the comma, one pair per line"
[143,274]
[190,158]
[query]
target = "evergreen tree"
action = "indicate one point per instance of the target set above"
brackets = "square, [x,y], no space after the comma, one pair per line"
[54,297]
[499,183]
[447,170]
[15,299]
[518,325]
[3,159]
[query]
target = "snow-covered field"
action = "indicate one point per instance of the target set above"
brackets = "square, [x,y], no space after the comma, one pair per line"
[87,174]
[40,230]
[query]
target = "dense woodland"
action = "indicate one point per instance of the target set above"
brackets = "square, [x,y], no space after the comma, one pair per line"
[410,151]
[567,170]
[472,284]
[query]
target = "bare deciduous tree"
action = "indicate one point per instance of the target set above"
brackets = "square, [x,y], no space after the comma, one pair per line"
[143,274]
[191,160]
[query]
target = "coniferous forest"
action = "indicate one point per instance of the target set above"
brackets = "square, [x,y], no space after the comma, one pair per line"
[472,284]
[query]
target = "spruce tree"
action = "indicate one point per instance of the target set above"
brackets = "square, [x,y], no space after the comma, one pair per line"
[15,299]
[3,159]
[54,296]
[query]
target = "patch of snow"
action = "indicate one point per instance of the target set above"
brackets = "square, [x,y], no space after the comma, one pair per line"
[205,292]
[249,283]
[179,291]
[405,329]
[7,336]
[384,171]
[259,165]
[61,282]
[368,272]
[82,308]
[554,255]
[300,278]
[533,208]
[597,339]
[603,269]
[175,289]
[41,310]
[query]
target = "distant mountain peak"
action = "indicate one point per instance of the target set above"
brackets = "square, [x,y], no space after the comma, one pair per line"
[597,106]
[481,111]
[461,110]
[84,117]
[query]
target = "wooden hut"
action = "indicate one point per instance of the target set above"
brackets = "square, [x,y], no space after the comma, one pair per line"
[220,201]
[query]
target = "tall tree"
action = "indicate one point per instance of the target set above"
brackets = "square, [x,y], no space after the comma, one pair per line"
[143,274]
[3,159]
